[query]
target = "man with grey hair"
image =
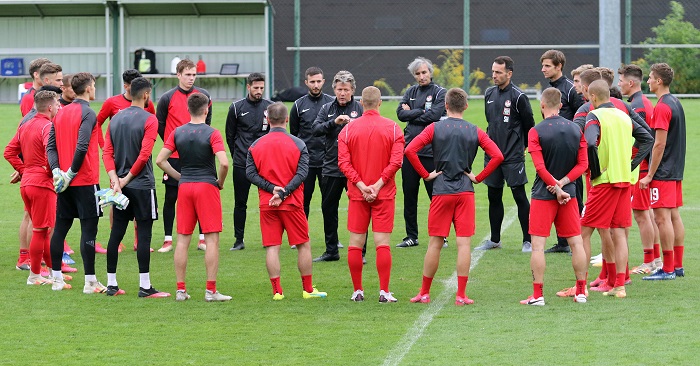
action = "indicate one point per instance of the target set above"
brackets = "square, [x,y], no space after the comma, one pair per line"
[329,121]
[423,104]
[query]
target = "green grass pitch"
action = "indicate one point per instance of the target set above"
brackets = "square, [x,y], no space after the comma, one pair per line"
[653,324]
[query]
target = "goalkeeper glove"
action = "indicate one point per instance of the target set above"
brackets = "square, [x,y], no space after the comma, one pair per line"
[110,197]
[59,180]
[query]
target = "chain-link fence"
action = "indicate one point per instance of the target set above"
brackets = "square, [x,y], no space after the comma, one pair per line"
[364,36]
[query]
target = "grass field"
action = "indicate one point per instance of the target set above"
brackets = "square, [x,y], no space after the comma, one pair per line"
[652,325]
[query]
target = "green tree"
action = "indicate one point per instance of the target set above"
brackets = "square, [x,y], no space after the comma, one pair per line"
[684,61]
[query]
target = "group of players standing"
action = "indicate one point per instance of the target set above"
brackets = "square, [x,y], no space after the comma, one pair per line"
[346,145]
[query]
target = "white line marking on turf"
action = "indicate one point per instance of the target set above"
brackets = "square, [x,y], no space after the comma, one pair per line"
[415,332]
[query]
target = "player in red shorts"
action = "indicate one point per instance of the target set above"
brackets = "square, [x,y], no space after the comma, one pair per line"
[455,143]
[666,169]
[199,198]
[558,151]
[278,164]
[369,155]
[608,207]
[36,186]
[631,85]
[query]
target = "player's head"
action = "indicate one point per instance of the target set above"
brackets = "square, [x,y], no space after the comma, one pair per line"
[599,92]
[186,74]
[141,89]
[51,74]
[83,85]
[255,83]
[422,70]
[502,71]
[660,76]
[343,86]
[576,75]
[608,74]
[34,67]
[314,80]
[67,90]
[371,98]
[277,114]
[128,76]
[456,100]
[552,64]
[630,79]
[615,92]
[46,102]
[587,77]
[550,101]
[198,105]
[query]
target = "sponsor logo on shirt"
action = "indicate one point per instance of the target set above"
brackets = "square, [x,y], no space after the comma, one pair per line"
[507,103]
[489,102]
[506,111]
[244,113]
[353,114]
[304,110]
[429,98]
[331,115]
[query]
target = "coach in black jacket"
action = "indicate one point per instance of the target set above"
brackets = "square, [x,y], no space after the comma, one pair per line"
[423,104]
[301,124]
[330,120]
[245,123]
[509,117]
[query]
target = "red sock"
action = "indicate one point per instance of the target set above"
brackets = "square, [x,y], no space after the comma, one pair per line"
[611,274]
[668,261]
[181,286]
[678,256]
[307,283]
[537,289]
[355,266]
[425,288]
[620,279]
[603,270]
[384,266]
[462,285]
[47,250]
[276,285]
[648,255]
[657,250]
[580,287]
[211,286]
[36,249]
[23,255]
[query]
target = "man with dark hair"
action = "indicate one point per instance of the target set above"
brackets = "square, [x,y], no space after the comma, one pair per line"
[422,104]
[608,207]
[36,186]
[631,85]
[127,158]
[246,122]
[558,151]
[74,161]
[331,118]
[172,113]
[553,62]
[665,177]
[277,163]
[200,199]
[370,152]
[509,117]
[455,142]
[67,94]
[301,121]
[27,101]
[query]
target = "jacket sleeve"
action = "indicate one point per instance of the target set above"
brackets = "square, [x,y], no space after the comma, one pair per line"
[108,152]
[162,114]
[406,116]
[581,161]
[492,150]
[149,139]
[322,125]
[294,119]
[51,152]
[344,158]
[300,175]
[419,142]
[251,172]
[396,157]
[527,121]
[12,151]
[592,135]
[643,140]
[231,126]
[435,112]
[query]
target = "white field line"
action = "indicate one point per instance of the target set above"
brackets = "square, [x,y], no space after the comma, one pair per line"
[415,332]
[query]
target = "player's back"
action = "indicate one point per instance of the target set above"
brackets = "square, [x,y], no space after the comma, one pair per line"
[197,159]
[33,136]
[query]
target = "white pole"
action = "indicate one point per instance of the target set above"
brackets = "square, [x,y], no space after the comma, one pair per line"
[108,59]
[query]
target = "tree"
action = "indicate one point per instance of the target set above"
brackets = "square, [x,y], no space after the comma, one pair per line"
[673,29]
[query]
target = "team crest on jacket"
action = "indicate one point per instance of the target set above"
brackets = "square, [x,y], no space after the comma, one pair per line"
[353,114]
[429,98]
[507,103]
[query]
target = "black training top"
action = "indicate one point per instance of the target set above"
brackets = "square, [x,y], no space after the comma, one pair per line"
[325,125]
[509,116]
[427,105]
[301,122]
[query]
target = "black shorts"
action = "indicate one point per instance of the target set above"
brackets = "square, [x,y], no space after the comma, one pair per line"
[513,174]
[78,202]
[143,205]
[167,180]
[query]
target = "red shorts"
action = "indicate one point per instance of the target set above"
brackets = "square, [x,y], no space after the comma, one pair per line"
[607,207]
[666,193]
[40,203]
[274,222]
[544,213]
[199,202]
[380,211]
[640,197]
[452,208]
